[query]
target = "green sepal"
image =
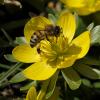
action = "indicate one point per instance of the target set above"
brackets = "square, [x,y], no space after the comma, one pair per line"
[86,71]
[71,77]
[10,58]
[19,77]
[52,84]
[29,85]
[90,26]
[90,61]
[86,82]
[52,18]
[42,92]
[95,35]
[55,95]
[20,40]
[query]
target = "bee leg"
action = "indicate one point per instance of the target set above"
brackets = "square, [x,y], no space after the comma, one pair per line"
[47,37]
[61,30]
[38,48]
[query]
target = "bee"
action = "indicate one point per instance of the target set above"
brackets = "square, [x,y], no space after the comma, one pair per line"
[49,30]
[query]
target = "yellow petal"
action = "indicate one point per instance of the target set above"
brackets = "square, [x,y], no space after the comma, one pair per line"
[26,54]
[83,42]
[31,95]
[85,10]
[35,23]
[68,25]
[73,50]
[90,7]
[39,71]
[69,61]
[74,3]
[97,5]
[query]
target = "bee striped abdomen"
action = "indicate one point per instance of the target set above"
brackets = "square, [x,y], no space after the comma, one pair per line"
[49,31]
[36,38]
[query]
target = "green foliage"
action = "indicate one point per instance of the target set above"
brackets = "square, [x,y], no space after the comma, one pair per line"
[20,40]
[80,25]
[86,82]
[90,27]
[19,77]
[72,78]
[29,85]
[52,18]
[52,85]
[97,85]
[10,72]
[87,71]
[90,61]
[10,58]
[95,35]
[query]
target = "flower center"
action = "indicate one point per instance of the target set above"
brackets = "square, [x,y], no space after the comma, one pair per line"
[55,50]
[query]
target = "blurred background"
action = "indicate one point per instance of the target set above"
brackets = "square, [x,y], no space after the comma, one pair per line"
[13,16]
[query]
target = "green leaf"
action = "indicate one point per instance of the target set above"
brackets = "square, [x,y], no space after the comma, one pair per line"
[52,84]
[52,18]
[8,67]
[90,27]
[4,66]
[80,25]
[86,82]
[2,74]
[86,71]
[31,95]
[97,71]
[19,77]
[10,71]
[90,61]
[10,58]
[95,35]
[97,85]
[55,95]
[71,77]
[20,40]
[76,98]
[27,86]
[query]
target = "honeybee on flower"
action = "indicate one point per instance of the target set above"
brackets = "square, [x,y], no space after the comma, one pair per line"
[39,35]
[56,54]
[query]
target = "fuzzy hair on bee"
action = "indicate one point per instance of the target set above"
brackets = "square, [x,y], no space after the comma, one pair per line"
[39,35]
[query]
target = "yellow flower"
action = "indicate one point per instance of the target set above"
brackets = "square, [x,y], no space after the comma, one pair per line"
[83,7]
[58,53]
[32,94]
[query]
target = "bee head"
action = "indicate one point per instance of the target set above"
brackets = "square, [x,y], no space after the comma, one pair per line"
[57,31]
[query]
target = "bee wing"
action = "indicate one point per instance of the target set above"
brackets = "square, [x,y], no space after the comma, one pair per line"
[34,24]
